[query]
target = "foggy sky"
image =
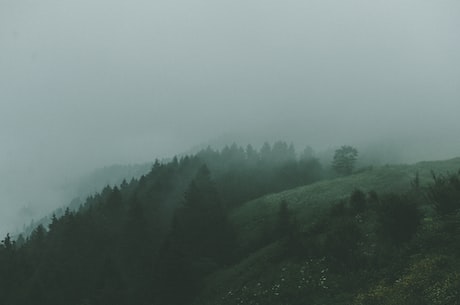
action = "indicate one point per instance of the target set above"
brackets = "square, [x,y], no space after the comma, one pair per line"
[84,84]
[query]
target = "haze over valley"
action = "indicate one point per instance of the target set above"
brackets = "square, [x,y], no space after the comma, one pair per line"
[85,85]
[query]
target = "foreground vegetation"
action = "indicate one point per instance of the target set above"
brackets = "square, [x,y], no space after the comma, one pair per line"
[215,229]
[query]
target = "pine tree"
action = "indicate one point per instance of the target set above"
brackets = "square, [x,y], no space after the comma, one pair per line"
[200,225]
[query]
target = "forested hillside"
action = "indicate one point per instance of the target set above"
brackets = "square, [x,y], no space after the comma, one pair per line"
[246,226]
[150,237]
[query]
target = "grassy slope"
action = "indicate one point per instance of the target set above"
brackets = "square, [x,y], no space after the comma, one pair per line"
[306,202]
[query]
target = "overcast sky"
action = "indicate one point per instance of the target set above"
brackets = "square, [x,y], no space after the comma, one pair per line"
[84,84]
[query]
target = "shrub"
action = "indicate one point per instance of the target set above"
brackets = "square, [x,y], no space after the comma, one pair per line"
[445,193]
[357,201]
[398,218]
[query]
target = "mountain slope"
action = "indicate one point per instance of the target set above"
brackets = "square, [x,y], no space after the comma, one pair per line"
[266,271]
[307,201]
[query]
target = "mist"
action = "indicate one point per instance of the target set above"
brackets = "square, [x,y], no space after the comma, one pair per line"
[87,84]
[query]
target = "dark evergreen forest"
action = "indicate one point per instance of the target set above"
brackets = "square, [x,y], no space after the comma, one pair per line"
[152,240]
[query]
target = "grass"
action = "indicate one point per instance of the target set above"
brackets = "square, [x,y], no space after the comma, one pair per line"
[252,218]
[258,217]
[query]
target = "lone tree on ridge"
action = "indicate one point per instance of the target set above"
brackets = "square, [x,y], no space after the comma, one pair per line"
[344,160]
